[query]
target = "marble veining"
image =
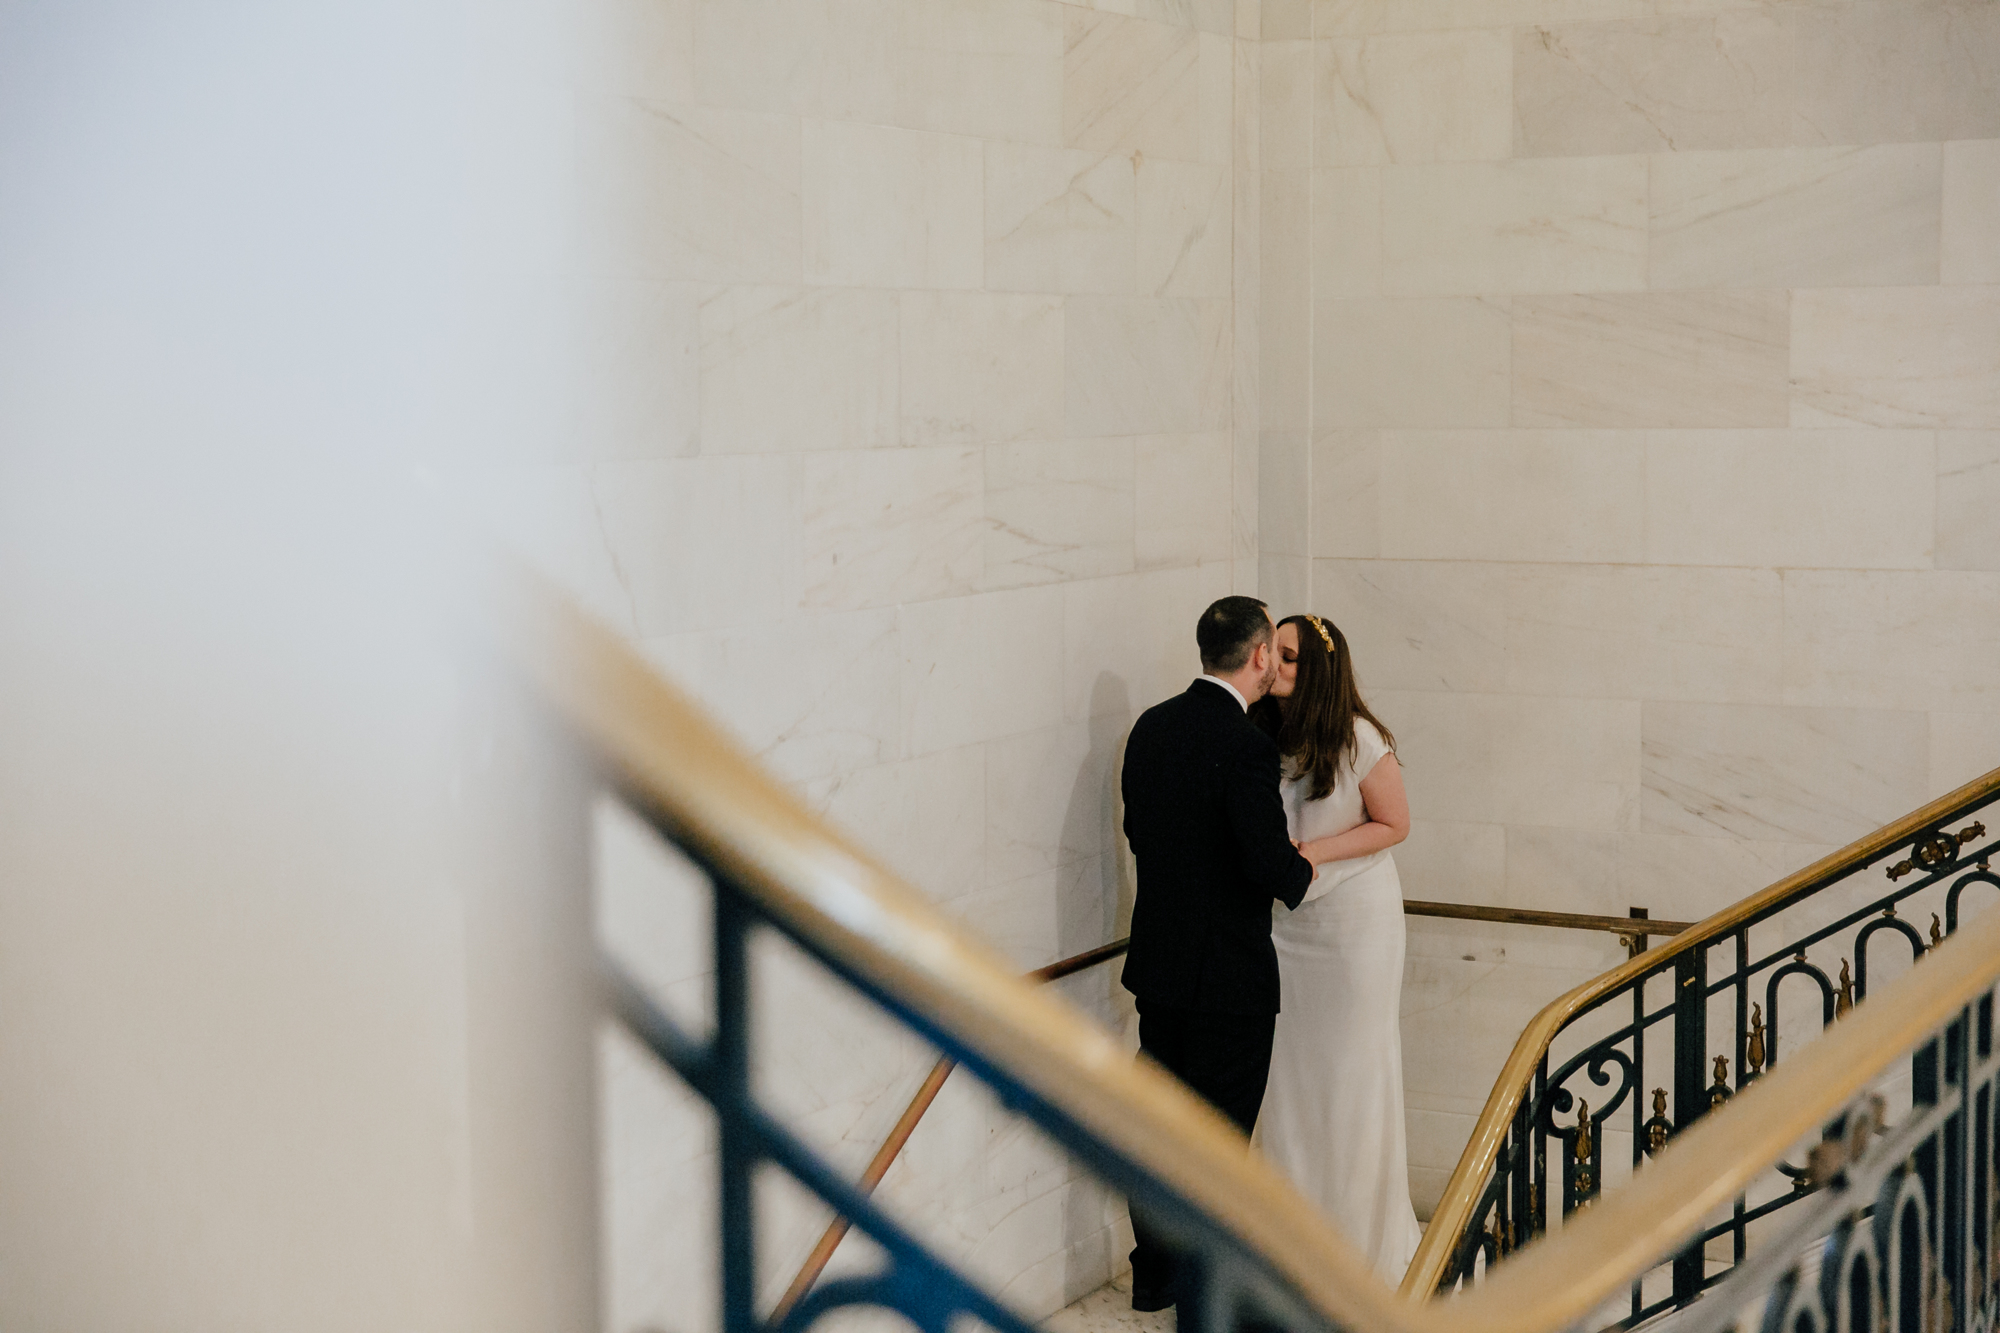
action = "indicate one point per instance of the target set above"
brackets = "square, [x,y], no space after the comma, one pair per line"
[1968,497]
[1412,97]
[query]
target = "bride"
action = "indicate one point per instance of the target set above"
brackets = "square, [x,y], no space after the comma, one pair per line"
[1333,1110]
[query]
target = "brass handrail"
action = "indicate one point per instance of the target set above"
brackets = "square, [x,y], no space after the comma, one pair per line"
[1468,1179]
[676,767]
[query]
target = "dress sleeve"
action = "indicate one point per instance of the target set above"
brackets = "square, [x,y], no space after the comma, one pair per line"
[1369,747]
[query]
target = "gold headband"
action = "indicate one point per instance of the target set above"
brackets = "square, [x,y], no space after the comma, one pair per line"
[1324,636]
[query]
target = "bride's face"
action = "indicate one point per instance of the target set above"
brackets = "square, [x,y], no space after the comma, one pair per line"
[1287,643]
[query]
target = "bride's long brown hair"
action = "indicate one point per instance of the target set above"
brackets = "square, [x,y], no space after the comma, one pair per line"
[1315,726]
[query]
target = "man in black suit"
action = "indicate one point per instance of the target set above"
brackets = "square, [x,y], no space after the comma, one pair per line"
[1207,829]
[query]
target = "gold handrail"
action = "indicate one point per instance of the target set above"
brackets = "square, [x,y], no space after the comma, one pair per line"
[677,767]
[1468,1179]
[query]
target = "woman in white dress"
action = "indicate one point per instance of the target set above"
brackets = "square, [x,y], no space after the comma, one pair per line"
[1333,1110]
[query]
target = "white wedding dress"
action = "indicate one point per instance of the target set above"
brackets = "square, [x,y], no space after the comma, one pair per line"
[1333,1111]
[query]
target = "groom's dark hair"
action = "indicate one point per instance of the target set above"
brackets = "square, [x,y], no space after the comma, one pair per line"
[1229,631]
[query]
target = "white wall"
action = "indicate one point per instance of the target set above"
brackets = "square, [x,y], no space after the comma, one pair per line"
[1631,368]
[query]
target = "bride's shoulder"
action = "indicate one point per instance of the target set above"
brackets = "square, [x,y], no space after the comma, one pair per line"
[1369,744]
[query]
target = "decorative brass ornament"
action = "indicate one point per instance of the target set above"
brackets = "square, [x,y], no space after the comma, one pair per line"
[1937,931]
[1753,1052]
[1659,1128]
[1718,1092]
[1844,1001]
[1937,850]
[1585,1178]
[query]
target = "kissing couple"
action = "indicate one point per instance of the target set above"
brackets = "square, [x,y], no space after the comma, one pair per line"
[1270,782]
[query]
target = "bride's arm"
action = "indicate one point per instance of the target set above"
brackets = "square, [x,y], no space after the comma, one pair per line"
[1388,811]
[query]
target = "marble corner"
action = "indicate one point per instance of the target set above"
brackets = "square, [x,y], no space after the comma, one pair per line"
[1419,624]
[833,349]
[1968,498]
[981,667]
[1132,84]
[1284,580]
[1896,356]
[1971,235]
[1058,510]
[884,526]
[1128,642]
[1878,73]
[979,367]
[992,69]
[1060,220]
[1284,301]
[1652,359]
[1347,233]
[891,207]
[1574,224]
[1243,510]
[1795,217]
[659,518]
[925,817]
[1284,467]
[639,365]
[1180,499]
[1644,632]
[1145,366]
[1925,639]
[1572,496]
[1853,498]
[1346,494]
[1285,106]
[1517,759]
[1668,84]
[694,193]
[1403,362]
[1413,97]
[1185,216]
[1785,774]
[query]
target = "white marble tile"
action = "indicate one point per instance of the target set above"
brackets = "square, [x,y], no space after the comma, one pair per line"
[1128,642]
[1418,625]
[1971,239]
[636,48]
[979,368]
[1184,215]
[1446,862]
[1413,97]
[1285,108]
[1652,359]
[688,192]
[1058,510]
[1795,217]
[1284,511]
[891,208]
[1513,759]
[1896,356]
[1550,225]
[813,714]
[1673,876]
[1346,17]
[1964,746]
[1394,361]
[1633,632]
[1853,498]
[1569,496]
[1052,799]
[1875,73]
[1180,499]
[892,525]
[651,905]
[661,519]
[1653,85]
[1284,580]
[1060,220]
[1968,498]
[988,68]
[1925,639]
[548,516]
[1347,232]
[925,817]
[1284,302]
[1346,494]
[831,58]
[833,351]
[639,364]
[1145,366]
[1132,84]
[1825,775]
[977,668]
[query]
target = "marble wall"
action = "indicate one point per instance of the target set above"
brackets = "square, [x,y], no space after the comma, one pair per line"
[909,436]
[1630,393]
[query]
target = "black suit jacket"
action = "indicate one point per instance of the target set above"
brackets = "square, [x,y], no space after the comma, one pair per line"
[1207,827]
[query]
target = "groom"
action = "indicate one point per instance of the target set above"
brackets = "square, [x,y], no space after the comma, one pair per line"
[1207,829]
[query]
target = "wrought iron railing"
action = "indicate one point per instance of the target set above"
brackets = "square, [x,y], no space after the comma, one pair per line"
[1257,1253]
[1577,1077]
